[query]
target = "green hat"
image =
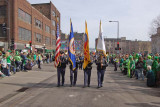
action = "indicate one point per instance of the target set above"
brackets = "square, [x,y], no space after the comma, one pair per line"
[149,57]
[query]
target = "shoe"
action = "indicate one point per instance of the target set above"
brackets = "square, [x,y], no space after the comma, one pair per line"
[98,87]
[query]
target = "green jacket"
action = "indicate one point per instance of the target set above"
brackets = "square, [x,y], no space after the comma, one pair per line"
[17,58]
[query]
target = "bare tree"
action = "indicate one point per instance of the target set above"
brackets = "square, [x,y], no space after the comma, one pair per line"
[154,25]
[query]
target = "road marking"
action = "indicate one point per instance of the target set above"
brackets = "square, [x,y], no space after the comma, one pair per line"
[71,95]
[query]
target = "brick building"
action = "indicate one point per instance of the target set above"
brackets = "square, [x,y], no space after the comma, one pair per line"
[127,46]
[155,42]
[28,22]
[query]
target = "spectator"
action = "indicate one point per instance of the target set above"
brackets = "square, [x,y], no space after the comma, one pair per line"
[150,77]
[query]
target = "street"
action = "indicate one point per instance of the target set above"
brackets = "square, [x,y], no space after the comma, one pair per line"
[117,91]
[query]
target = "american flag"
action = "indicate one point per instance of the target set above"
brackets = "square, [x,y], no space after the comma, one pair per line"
[58,45]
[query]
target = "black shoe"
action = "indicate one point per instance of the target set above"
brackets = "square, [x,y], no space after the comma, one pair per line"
[98,87]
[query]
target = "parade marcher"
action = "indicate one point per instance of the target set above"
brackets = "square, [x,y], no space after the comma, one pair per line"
[101,68]
[87,74]
[150,77]
[73,73]
[61,69]
[81,62]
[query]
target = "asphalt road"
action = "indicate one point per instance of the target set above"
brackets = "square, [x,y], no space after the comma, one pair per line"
[117,91]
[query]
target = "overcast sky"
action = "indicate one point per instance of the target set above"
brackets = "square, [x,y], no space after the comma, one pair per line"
[134,16]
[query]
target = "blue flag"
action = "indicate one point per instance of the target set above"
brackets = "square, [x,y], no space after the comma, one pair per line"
[71,48]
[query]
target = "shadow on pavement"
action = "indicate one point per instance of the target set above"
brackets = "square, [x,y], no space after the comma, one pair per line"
[141,105]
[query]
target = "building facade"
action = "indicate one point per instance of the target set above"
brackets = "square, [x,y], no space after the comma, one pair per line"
[127,46]
[79,42]
[155,42]
[28,22]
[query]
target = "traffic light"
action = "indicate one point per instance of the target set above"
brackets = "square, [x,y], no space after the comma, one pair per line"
[12,44]
[117,48]
[30,43]
[4,27]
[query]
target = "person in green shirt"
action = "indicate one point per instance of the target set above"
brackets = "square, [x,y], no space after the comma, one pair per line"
[35,58]
[132,66]
[17,61]
[8,56]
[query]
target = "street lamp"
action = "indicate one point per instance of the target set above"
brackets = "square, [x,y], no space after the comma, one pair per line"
[117,34]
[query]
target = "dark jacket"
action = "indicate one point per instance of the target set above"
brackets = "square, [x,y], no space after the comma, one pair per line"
[139,65]
[89,66]
[62,63]
[103,67]
[77,63]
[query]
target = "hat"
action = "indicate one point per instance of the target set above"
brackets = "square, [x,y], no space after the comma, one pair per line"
[149,57]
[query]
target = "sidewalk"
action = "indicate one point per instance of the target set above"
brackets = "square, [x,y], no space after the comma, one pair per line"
[10,85]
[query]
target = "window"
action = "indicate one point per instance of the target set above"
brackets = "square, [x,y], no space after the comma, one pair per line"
[47,40]
[53,23]
[3,11]
[38,23]
[24,34]
[53,42]
[53,33]
[47,29]
[24,16]
[38,37]
[53,13]
[57,18]
[2,34]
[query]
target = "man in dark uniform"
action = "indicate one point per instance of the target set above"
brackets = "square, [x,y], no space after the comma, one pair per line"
[87,74]
[81,62]
[61,69]
[101,68]
[73,73]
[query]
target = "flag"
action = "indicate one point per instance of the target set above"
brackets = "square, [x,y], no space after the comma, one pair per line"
[58,45]
[86,48]
[101,45]
[71,48]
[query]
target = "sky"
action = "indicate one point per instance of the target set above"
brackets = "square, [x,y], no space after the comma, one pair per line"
[134,16]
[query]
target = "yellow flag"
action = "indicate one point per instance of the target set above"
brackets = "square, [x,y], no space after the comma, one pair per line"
[87,59]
